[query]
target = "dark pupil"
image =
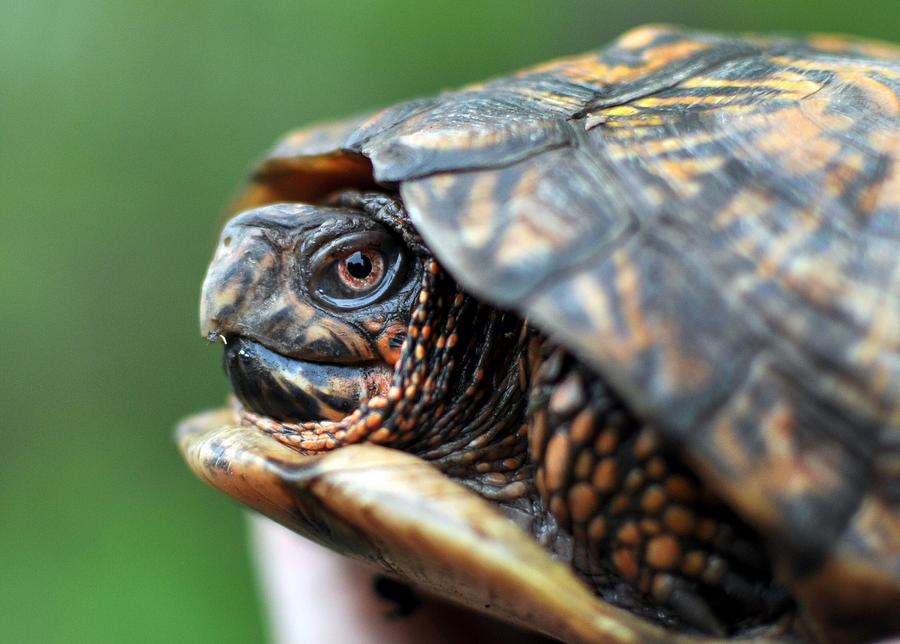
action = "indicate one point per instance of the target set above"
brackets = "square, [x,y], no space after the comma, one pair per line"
[359,266]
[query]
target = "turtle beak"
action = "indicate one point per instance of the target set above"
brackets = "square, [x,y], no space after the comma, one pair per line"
[242,275]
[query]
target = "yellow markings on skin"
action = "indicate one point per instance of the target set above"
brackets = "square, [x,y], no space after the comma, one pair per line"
[670,53]
[440,184]
[639,334]
[590,68]
[840,44]
[589,65]
[235,289]
[800,136]
[661,146]
[375,118]
[434,137]
[784,469]
[619,110]
[783,128]
[842,65]
[785,85]
[478,215]
[682,370]
[325,331]
[530,233]
[640,37]
[842,174]
[681,174]
[620,346]
[627,283]
[778,426]
[771,263]
[789,470]
[830,42]
[877,525]
[298,138]
[552,100]
[374,324]
[825,285]
[882,338]
[662,101]
[882,97]
[744,205]
[624,118]
[590,294]
[313,139]
[687,168]
[641,120]
[748,118]
[805,151]
[725,440]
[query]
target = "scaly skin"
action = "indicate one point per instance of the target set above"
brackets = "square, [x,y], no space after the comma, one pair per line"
[637,513]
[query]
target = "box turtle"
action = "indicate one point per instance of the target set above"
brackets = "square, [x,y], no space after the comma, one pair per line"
[609,348]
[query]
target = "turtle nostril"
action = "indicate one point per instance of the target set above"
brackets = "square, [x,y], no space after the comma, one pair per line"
[227,241]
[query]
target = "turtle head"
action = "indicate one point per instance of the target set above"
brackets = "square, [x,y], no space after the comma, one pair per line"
[313,304]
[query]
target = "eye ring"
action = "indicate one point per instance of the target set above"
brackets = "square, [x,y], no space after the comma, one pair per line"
[362,269]
[338,276]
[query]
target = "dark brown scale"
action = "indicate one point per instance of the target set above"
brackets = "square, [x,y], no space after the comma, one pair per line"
[638,514]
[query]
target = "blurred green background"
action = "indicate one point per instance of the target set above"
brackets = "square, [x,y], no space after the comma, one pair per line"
[124,128]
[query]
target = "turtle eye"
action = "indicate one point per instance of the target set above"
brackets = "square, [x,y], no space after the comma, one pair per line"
[356,270]
[361,270]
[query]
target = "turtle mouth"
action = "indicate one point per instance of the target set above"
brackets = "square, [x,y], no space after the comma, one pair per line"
[291,390]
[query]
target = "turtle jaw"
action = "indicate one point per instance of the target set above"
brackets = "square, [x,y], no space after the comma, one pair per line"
[288,389]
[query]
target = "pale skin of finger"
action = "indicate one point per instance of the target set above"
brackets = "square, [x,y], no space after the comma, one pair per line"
[313,595]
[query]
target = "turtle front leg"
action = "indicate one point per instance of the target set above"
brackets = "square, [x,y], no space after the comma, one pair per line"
[647,535]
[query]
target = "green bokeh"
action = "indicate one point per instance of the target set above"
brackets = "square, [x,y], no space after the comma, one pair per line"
[124,128]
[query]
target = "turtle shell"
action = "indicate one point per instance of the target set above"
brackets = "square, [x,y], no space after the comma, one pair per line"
[711,223]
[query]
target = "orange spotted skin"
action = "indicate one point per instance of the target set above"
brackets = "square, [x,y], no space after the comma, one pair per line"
[711,225]
[637,513]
